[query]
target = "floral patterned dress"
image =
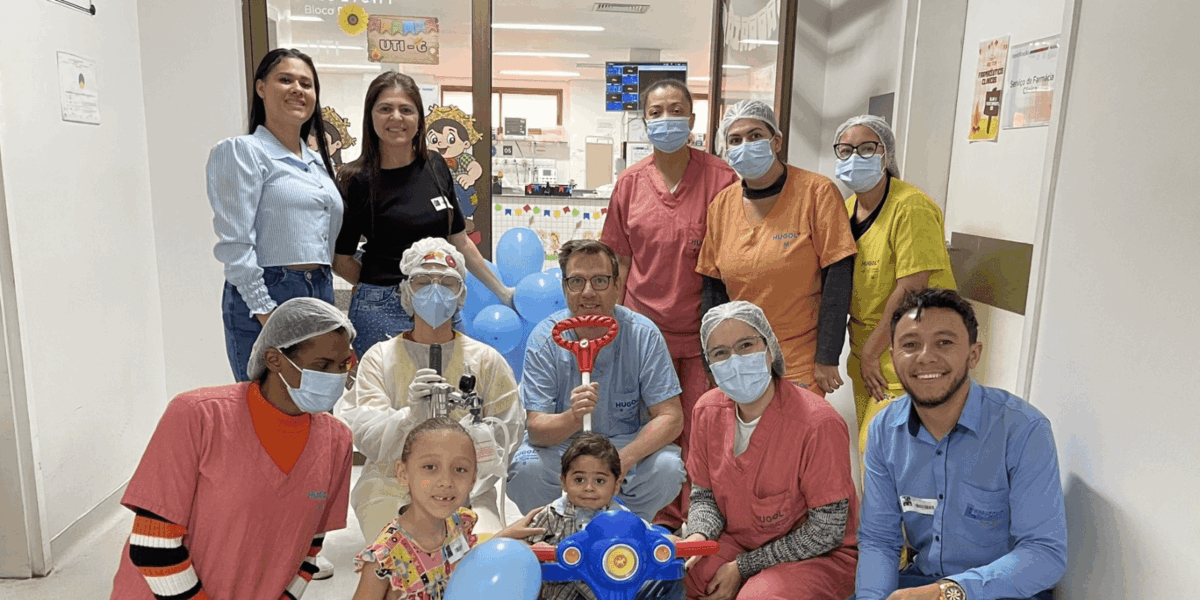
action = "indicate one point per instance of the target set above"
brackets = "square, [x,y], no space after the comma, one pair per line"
[413,573]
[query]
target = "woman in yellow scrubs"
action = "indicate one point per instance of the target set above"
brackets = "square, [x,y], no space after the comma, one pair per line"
[901,247]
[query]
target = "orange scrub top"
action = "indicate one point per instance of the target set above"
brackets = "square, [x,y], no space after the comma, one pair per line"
[776,263]
[662,231]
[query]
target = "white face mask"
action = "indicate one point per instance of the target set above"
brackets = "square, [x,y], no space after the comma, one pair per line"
[318,391]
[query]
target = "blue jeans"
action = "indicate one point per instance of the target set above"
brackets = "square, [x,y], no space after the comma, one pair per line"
[911,578]
[377,315]
[283,284]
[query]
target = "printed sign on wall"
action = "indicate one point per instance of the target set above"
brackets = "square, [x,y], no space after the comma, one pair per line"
[405,40]
[1030,96]
[989,90]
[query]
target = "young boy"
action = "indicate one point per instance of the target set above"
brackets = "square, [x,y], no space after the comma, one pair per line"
[590,468]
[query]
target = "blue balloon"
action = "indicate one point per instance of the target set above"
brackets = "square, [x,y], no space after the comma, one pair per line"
[518,254]
[478,295]
[538,296]
[499,327]
[555,271]
[498,568]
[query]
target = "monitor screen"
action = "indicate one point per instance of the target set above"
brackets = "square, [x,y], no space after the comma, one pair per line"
[625,82]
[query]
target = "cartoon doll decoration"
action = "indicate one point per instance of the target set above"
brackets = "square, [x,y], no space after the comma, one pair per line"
[337,136]
[452,133]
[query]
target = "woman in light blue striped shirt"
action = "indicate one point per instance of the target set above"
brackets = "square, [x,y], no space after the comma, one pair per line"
[277,208]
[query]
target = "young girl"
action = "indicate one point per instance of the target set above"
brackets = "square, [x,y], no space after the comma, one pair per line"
[590,469]
[414,555]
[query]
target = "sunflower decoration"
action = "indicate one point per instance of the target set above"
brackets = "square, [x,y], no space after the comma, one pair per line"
[353,19]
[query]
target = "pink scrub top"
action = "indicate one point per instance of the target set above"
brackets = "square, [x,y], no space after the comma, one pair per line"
[662,232]
[798,458]
[249,524]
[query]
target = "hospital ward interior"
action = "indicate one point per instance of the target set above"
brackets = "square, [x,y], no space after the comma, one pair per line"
[590,300]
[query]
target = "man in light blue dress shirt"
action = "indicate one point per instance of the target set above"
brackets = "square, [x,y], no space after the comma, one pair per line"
[970,471]
[633,398]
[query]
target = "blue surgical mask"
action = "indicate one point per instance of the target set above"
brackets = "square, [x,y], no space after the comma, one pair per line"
[435,304]
[861,174]
[668,134]
[318,391]
[752,160]
[743,378]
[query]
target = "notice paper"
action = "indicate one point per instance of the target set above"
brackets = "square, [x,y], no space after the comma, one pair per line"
[989,90]
[78,91]
[1029,99]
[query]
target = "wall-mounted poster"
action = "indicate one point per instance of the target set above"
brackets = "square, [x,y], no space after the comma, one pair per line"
[989,90]
[406,40]
[1029,99]
[79,95]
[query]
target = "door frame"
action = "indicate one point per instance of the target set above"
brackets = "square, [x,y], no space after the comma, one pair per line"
[23,518]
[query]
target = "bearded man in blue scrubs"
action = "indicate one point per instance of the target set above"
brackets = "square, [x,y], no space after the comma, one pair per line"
[970,471]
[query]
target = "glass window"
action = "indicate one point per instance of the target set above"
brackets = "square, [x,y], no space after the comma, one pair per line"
[540,111]
[465,100]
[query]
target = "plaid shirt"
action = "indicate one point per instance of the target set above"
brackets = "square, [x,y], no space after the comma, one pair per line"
[562,520]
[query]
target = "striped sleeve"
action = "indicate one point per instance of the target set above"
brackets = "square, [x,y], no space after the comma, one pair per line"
[156,549]
[308,568]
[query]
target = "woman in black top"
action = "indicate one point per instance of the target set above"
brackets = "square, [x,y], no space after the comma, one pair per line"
[396,193]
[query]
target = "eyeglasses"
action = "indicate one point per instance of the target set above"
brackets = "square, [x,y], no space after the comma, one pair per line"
[450,282]
[865,150]
[599,283]
[742,347]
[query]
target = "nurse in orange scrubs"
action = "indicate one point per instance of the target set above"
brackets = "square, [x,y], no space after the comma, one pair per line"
[781,239]
[785,513]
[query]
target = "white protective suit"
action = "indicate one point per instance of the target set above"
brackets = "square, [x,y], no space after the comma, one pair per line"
[377,410]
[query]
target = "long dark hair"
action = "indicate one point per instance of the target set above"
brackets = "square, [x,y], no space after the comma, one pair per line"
[369,159]
[258,110]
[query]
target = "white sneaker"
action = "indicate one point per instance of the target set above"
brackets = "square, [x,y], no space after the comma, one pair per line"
[324,568]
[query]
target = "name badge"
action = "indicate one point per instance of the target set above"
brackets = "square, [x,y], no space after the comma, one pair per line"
[457,549]
[924,506]
[440,203]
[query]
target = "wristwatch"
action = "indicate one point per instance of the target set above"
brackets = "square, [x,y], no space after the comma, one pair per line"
[950,590]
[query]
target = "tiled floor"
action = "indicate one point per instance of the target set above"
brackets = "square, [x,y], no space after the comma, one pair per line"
[85,571]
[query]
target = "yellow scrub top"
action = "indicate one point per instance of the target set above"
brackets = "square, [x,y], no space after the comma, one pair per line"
[907,237]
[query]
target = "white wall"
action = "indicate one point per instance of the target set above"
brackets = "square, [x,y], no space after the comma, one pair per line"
[865,41]
[193,100]
[1117,338]
[83,240]
[994,188]
[809,85]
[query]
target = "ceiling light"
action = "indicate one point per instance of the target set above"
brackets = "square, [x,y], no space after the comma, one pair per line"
[308,19]
[699,78]
[761,42]
[540,73]
[735,66]
[546,27]
[330,46]
[544,54]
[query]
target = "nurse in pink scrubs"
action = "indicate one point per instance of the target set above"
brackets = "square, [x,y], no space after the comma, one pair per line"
[656,222]
[785,512]
[240,482]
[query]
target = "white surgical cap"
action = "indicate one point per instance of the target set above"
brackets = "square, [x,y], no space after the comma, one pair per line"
[433,250]
[292,322]
[747,109]
[881,129]
[749,314]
